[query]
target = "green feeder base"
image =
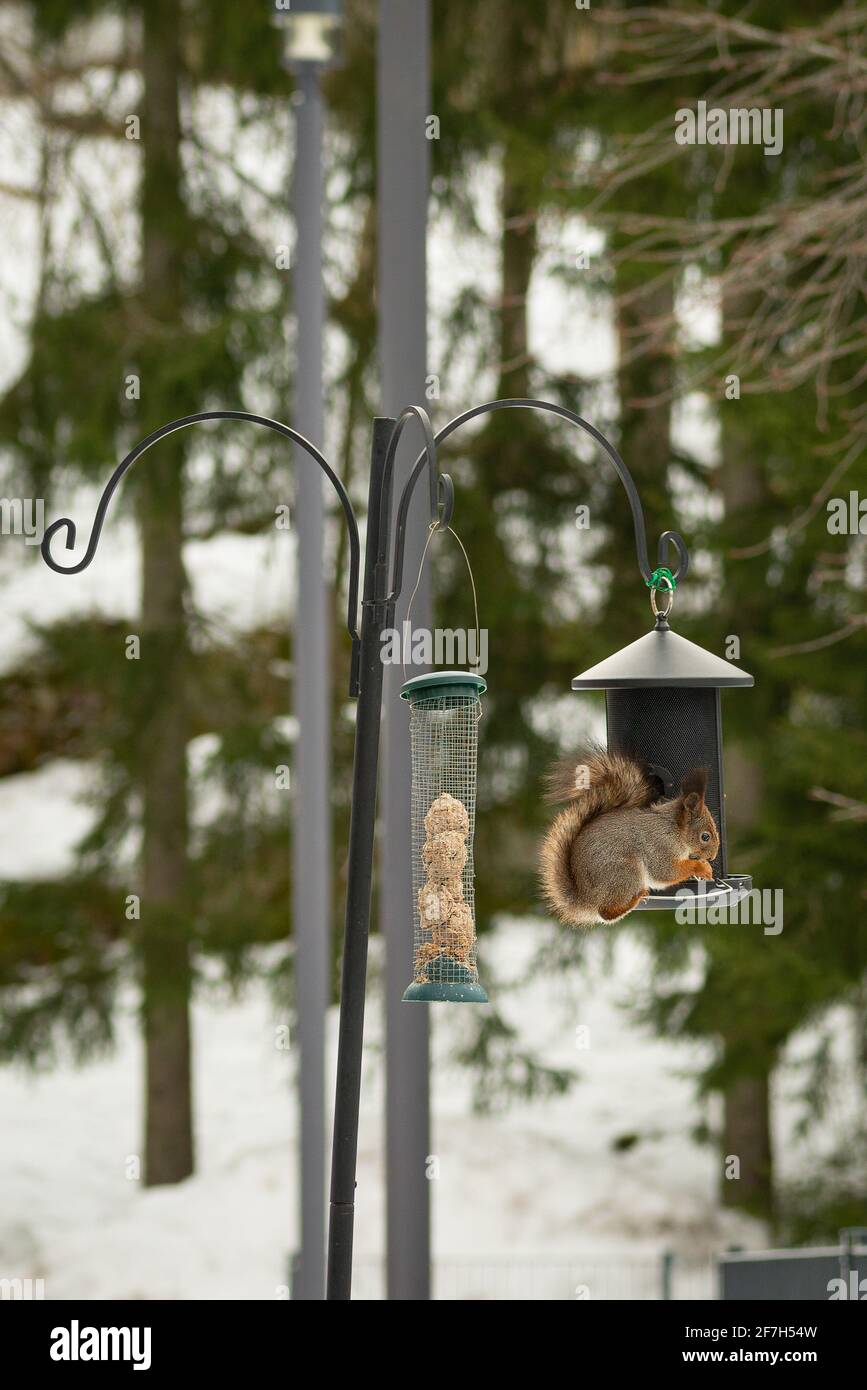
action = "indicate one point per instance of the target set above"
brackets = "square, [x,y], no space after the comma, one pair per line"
[431,992]
[447,982]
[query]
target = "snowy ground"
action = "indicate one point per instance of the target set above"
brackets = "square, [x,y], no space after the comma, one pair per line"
[531,1202]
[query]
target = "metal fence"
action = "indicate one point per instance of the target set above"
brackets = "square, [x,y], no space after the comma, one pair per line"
[818,1274]
[574,1277]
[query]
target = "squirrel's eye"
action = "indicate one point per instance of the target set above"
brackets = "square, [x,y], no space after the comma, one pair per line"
[705,836]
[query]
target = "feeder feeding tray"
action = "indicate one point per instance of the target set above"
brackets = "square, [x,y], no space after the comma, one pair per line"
[444,715]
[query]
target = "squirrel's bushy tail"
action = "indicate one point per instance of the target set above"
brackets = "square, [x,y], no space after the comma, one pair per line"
[593,783]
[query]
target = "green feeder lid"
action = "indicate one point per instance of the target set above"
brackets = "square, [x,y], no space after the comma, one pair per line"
[444,683]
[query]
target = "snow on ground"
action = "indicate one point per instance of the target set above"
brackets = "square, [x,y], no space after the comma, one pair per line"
[535,1198]
[43,816]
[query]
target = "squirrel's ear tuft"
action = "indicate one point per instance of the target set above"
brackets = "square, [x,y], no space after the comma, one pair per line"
[695,782]
[688,803]
[693,785]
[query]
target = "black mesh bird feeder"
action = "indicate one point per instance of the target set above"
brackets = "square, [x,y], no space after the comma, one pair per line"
[662,705]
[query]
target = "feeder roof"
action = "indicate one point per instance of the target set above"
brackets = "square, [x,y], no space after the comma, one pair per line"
[661,658]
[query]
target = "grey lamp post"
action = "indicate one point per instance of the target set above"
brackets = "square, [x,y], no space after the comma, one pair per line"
[403,158]
[311,34]
[312,30]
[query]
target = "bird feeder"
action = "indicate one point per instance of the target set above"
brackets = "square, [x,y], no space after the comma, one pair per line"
[445,709]
[662,703]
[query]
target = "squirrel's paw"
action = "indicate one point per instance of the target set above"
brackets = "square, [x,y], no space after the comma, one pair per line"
[702,869]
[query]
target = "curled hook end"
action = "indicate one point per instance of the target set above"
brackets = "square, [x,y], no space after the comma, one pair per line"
[445,503]
[662,552]
[45,547]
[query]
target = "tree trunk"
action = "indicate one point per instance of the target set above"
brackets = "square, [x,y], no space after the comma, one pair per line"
[518,254]
[747,1136]
[746,1100]
[165,949]
[644,382]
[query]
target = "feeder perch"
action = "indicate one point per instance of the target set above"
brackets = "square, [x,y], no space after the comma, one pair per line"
[444,715]
[662,705]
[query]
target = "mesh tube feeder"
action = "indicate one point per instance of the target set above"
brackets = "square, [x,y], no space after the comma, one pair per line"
[445,708]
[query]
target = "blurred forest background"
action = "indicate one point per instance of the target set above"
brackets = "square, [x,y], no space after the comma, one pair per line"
[730,286]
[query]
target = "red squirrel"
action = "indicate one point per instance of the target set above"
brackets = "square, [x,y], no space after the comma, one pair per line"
[616,839]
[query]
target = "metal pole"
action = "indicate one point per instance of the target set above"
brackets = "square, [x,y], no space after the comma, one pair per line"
[375,617]
[403,179]
[311,844]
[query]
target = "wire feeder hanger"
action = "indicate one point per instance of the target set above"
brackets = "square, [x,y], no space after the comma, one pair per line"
[434,529]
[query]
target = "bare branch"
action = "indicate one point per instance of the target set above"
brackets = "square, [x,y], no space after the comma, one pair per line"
[847,807]
[855,623]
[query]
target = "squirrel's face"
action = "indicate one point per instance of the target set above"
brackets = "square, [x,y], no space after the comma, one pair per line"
[698,827]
